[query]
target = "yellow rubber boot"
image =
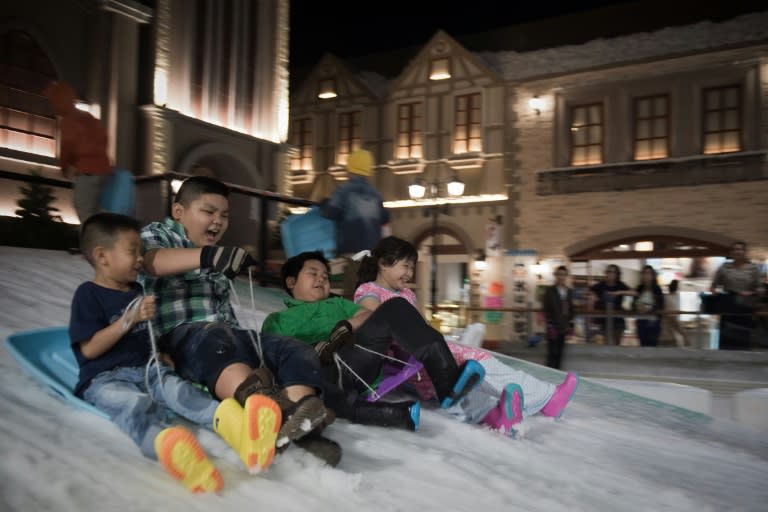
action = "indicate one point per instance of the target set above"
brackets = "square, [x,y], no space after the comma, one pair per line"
[228,422]
[251,430]
[184,459]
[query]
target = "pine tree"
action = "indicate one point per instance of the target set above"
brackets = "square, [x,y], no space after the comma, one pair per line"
[36,202]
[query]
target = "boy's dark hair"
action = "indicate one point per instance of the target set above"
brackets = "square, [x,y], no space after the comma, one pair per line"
[673,284]
[102,229]
[561,267]
[294,264]
[196,186]
[388,251]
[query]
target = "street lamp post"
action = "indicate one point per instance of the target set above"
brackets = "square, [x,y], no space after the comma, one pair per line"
[419,190]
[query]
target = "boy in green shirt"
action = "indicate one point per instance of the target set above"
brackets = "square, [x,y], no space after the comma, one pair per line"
[339,328]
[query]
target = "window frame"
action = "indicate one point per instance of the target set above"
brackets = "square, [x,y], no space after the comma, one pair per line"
[349,137]
[302,139]
[414,130]
[571,143]
[27,121]
[722,112]
[474,105]
[652,117]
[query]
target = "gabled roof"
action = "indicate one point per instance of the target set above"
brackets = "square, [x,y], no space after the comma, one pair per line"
[330,66]
[504,52]
[440,45]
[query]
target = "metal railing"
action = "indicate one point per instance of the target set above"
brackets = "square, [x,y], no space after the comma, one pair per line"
[698,329]
[154,192]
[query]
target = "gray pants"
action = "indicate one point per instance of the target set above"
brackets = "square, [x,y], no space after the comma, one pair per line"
[87,191]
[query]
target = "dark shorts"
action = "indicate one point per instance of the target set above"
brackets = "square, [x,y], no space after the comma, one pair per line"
[202,350]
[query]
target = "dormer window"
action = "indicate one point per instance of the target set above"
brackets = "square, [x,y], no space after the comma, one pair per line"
[327,89]
[440,69]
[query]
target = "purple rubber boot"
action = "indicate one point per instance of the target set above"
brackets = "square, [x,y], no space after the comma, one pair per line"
[562,396]
[509,410]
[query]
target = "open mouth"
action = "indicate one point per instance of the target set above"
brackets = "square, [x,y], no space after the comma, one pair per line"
[211,235]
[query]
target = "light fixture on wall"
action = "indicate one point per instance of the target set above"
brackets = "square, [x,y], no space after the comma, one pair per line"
[536,104]
[327,89]
[440,69]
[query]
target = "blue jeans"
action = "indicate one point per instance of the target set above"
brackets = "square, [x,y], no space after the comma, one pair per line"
[142,413]
[648,331]
[202,350]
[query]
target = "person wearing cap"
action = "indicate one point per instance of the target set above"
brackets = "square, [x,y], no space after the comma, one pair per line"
[82,150]
[356,207]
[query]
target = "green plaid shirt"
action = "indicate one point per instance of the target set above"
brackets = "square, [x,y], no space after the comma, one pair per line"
[194,296]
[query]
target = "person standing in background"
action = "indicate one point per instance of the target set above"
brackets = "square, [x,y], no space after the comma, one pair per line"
[82,149]
[558,312]
[670,324]
[612,291]
[649,301]
[740,280]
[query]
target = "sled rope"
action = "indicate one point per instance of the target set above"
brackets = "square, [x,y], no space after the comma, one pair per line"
[255,341]
[130,311]
[391,358]
[153,359]
[234,293]
[339,363]
[250,286]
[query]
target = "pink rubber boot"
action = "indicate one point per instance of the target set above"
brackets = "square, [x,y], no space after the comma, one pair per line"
[509,410]
[562,396]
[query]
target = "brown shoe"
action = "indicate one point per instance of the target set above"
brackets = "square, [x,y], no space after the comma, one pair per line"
[299,418]
[321,447]
[258,381]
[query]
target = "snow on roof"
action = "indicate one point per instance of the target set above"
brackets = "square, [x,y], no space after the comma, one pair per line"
[512,65]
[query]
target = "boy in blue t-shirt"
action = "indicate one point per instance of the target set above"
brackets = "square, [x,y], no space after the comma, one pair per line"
[110,338]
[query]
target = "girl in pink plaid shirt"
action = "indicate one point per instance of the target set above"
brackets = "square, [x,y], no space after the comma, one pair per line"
[506,396]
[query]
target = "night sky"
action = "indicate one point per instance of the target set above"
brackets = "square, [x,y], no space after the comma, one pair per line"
[342,28]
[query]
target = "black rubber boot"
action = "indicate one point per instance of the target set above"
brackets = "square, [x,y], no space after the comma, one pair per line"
[404,415]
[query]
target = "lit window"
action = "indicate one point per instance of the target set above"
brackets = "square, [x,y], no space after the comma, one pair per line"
[26,120]
[327,89]
[440,69]
[409,144]
[587,134]
[651,127]
[467,133]
[301,138]
[349,135]
[722,119]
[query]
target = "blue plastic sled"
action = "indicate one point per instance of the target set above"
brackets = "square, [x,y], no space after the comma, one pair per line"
[119,193]
[308,232]
[47,356]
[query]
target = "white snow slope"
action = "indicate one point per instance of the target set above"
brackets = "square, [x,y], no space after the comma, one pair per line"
[611,451]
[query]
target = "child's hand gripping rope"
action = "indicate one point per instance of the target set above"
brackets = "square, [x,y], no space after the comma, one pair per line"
[140,309]
[227,260]
[340,336]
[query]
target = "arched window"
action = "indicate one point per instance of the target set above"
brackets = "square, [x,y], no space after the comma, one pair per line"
[27,122]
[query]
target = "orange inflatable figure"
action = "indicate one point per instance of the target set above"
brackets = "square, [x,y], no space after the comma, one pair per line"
[83,149]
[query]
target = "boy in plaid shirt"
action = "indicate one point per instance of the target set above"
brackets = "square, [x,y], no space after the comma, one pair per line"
[189,274]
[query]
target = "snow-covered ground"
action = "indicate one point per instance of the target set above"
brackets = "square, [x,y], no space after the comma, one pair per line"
[612,451]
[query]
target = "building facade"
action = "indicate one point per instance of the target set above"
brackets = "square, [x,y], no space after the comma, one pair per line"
[642,146]
[196,87]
